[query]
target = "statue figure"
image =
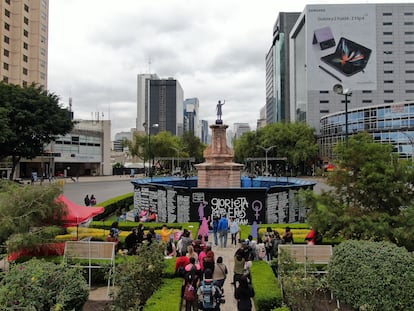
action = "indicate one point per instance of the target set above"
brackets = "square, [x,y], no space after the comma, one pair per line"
[219,110]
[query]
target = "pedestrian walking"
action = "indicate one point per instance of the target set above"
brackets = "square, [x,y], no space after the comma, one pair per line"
[223,228]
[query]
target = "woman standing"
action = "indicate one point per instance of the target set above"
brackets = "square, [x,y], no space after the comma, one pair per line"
[220,272]
[244,293]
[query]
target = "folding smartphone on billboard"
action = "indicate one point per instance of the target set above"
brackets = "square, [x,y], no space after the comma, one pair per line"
[349,57]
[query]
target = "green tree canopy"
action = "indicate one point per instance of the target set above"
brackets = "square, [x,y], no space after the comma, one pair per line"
[372,196]
[30,118]
[295,141]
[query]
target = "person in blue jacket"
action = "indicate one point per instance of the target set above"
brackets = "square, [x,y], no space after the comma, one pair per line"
[223,228]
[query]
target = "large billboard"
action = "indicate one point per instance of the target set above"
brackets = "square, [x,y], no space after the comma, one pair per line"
[341,46]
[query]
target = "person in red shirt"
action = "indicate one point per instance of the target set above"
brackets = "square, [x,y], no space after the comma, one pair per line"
[311,237]
[180,265]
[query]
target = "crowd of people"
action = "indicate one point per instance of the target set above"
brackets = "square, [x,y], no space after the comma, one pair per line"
[203,272]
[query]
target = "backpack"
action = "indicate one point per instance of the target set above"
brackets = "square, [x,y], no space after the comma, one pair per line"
[190,276]
[207,290]
[189,292]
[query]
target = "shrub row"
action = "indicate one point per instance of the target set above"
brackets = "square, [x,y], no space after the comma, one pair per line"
[166,297]
[112,205]
[268,294]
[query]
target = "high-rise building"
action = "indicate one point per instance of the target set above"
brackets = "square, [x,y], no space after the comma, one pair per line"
[166,106]
[240,129]
[277,70]
[366,50]
[159,105]
[204,136]
[24,42]
[143,100]
[191,123]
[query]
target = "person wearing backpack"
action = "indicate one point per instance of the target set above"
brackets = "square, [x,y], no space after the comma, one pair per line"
[191,282]
[208,293]
[243,294]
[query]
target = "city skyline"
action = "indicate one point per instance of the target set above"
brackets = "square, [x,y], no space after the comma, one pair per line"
[216,50]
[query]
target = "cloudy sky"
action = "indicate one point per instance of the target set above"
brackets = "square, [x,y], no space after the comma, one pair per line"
[216,49]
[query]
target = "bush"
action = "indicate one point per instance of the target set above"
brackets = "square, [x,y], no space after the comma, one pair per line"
[372,275]
[139,277]
[166,297]
[112,205]
[267,289]
[41,285]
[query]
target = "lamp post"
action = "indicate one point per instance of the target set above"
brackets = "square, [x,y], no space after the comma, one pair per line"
[149,149]
[266,150]
[339,89]
[410,138]
[178,157]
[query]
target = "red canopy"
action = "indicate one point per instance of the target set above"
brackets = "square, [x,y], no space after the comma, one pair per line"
[77,214]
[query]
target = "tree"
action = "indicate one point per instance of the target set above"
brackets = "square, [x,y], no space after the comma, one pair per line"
[295,141]
[193,146]
[31,117]
[26,211]
[372,197]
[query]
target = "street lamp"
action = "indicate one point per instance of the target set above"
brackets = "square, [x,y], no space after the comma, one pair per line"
[178,157]
[149,149]
[339,89]
[266,150]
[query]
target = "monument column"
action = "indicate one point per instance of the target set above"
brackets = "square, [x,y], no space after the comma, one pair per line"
[219,170]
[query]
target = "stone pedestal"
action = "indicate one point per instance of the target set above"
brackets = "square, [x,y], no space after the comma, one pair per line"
[219,170]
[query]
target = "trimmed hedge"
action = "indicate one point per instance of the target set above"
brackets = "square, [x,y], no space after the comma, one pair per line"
[112,205]
[268,294]
[372,275]
[166,297]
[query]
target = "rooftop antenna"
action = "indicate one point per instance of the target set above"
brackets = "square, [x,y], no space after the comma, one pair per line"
[70,104]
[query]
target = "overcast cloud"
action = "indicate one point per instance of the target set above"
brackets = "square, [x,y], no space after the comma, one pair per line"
[216,50]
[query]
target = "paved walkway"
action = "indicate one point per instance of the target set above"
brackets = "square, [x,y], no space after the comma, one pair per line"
[100,293]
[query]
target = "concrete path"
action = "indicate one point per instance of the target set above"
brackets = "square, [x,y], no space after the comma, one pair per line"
[228,289]
[100,293]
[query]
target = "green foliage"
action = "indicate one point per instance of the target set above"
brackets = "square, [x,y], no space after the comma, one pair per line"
[169,268]
[114,204]
[193,146]
[32,118]
[282,309]
[268,294]
[296,141]
[139,277]
[166,297]
[372,276]
[370,178]
[27,210]
[372,199]
[40,285]
[303,292]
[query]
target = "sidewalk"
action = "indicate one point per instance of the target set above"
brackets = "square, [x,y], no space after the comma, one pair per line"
[100,294]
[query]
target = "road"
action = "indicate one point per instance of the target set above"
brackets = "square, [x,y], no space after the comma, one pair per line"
[107,187]
[103,187]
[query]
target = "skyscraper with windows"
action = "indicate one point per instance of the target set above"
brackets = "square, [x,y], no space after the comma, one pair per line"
[191,120]
[159,105]
[143,85]
[24,41]
[277,70]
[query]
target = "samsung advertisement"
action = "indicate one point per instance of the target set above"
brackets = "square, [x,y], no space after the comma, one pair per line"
[341,44]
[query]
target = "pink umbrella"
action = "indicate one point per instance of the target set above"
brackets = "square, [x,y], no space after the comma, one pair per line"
[77,214]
